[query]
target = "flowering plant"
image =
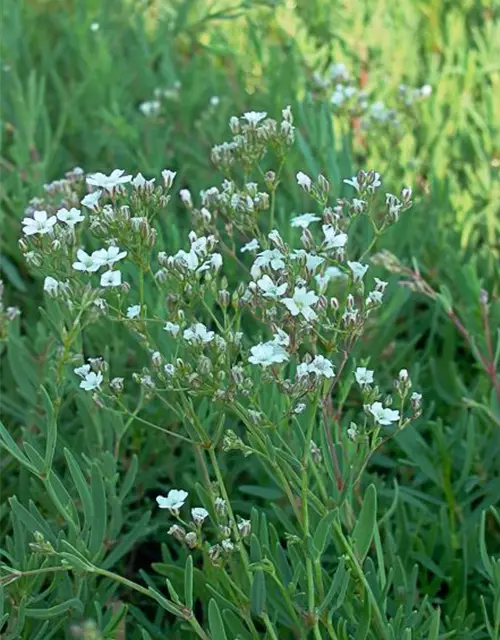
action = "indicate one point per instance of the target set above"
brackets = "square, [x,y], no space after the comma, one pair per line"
[275,350]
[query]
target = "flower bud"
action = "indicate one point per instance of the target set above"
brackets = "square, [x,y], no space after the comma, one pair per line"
[244,527]
[323,184]
[177,532]
[191,539]
[234,125]
[116,385]
[307,240]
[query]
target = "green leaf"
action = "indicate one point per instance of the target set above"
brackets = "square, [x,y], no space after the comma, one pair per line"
[258,593]
[73,604]
[235,625]
[128,541]
[365,526]
[22,366]
[322,534]
[51,418]
[188,582]
[81,486]
[339,581]
[364,623]
[128,480]
[483,551]
[215,621]
[99,523]
[434,626]
[10,445]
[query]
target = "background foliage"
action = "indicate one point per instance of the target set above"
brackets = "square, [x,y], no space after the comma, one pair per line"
[70,96]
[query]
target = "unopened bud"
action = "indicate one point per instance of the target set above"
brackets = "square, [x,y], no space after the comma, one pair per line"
[323,184]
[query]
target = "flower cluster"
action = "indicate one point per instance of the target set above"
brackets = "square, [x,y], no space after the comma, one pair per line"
[226,533]
[348,98]
[153,107]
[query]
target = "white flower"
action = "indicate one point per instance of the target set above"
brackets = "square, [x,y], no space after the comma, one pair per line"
[109,256]
[353,182]
[403,375]
[91,381]
[83,370]
[301,303]
[109,183]
[173,501]
[253,245]
[374,298]
[186,198]
[39,224]
[189,260]
[168,177]
[91,200]
[304,181]
[363,376]
[51,285]
[358,205]
[133,311]
[300,408]
[254,117]
[111,279]
[352,431]
[321,367]
[376,182]
[169,369]
[172,328]
[267,353]
[94,27]
[312,261]
[358,270]
[338,71]
[70,217]
[383,415]
[380,285]
[338,97]
[214,101]
[87,263]
[275,237]
[304,220]
[199,514]
[281,338]
[333,238]
[150,108]
[269,258]
[302,370]
[198,333]
[331,273]
[270,289]
[140,182]
[425,90]
[216,261]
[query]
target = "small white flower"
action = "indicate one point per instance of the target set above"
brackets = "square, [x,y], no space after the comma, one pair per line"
[304,220]
[380,285]
[272,258]
[39,224]
[358,206]
[94,27]
[281,338]
[140,182]
[254,117]
[216,261]
[227,545]
[169,369]
[302,370]
[270,289]
[133,311]
[334,239]
[173,501]
[425,90]
[91,200]
[110,182]
[109,256]
[338,71]
[186,198]
[198,333]
[363,376]
[403,375]
[353,182]
[352,431]
[87,263]
[150,108]
[300,408]
[253,245]
[374,298]
[83,370]
[275,237]
[215,101]
[172,328]
[199,514]
[358,270]
[111,279]
[51,285]
[189,260]
[91,381]
[312,261]
[70,217]
[331,273]
[304,181]
[321,367]
[383,415]
[416,397]
[301,303]
[267,353]
[168,177]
